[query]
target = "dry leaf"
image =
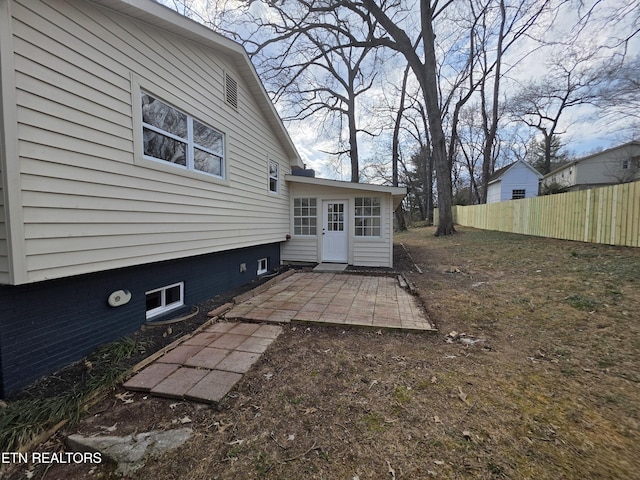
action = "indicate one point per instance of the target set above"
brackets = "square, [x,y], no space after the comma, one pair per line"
[461,395]
[125,397]
[392,472]
[467,434]
[112,428]
[223,426]
[291,437]
[437,419]
[185,419]
[307,411]
[434,379]
[236,442]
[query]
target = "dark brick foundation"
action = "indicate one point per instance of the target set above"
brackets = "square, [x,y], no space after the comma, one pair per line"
[45,326]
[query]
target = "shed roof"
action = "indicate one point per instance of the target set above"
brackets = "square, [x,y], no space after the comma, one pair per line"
[498,174]
[398,193]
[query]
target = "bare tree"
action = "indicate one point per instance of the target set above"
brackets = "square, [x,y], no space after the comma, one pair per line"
[425,71]
[575,80]
[319,63]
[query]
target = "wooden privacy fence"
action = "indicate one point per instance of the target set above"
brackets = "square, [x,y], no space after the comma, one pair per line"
[609,215]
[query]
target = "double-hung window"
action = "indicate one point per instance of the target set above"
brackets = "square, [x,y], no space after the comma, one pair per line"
[367,217]
[274,175]
[172,136]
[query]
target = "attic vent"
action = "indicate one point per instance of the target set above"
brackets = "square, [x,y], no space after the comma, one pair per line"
[231,91]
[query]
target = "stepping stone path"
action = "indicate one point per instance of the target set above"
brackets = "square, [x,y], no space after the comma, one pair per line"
[206,366]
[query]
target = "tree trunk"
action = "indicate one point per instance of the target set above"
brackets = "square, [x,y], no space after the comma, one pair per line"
[353,141]
[438,141]
[401,223]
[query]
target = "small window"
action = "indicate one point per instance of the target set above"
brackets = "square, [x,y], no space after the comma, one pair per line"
[172,136]
[625,164]
[162,300]
[304,216]
[263,266]
[368,217]
[274,169]
[517,194]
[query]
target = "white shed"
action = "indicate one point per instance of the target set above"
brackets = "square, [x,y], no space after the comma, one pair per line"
[512,182]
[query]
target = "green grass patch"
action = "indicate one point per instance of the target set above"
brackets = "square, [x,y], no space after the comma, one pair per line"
[582,302]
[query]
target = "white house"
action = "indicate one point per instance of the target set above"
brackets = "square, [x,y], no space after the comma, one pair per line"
[512,182]
[143,169]
[619,164]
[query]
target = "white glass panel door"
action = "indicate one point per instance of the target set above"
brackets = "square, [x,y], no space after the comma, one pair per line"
[335,234]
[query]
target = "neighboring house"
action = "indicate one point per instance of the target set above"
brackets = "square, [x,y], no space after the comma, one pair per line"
[515,181]
[143,170]
[619,164]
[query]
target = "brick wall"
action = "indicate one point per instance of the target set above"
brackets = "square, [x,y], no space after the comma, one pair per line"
[47,325]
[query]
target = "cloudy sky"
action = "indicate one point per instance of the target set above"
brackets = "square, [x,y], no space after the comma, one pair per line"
[584,128]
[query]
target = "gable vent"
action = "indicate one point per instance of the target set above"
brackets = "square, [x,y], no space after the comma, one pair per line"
[231,91]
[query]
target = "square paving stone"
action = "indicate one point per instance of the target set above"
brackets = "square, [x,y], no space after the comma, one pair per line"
[150,376]
[255,345]
[208,357]
[221,327]
[179,382]
[267,331]
[180,354]
[244,329]
[238,362]
[228,341]
[203,339]
[213,387]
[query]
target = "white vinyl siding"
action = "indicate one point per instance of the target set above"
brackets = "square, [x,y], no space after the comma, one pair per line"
[88,205]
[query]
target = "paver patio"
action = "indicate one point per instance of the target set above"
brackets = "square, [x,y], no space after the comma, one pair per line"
[328,298]
[206,366]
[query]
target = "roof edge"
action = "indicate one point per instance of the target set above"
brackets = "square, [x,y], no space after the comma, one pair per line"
[161,16]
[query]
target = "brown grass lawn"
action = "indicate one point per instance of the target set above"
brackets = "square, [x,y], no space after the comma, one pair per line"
[541,380]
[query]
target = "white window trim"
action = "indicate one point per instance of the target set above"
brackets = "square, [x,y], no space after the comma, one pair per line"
[513,193]
[189,141]
[294,217]
[164,308]
[275,177]
[356,217]
[140,159]
[263,266]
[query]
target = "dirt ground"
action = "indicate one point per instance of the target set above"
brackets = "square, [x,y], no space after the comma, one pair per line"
[534,374]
